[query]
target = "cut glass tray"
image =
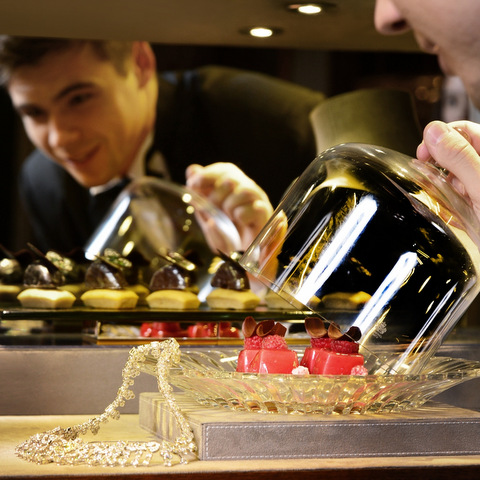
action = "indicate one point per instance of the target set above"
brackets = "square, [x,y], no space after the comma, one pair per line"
[209,377]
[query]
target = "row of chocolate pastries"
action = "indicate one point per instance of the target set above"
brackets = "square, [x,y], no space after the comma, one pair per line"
[55,281]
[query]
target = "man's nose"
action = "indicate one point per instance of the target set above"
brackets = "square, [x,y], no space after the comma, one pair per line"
[388,20]
[61,134]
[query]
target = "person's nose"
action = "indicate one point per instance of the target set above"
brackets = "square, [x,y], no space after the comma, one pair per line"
[388,19]
[61,134]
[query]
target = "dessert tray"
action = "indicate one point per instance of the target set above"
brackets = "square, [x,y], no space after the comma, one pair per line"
[208,376]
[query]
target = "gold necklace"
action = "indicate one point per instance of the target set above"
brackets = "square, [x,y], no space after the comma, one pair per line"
[64,447]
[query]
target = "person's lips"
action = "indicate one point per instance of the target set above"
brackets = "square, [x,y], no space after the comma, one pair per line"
[81,158]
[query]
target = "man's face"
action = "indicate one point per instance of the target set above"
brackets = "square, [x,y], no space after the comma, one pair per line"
[448,29]
[82,112]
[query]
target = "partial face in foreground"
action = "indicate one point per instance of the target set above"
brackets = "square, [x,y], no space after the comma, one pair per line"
[448,29]
[83,113]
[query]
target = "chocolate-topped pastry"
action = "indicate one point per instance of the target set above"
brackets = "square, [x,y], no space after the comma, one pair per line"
[40,275]
[73,267]
[231,287]
[11,275]
[42,281]
[265,348]
[171,287]
[170,277]
[106,283]
[102,274]
[332,352]
[230,275]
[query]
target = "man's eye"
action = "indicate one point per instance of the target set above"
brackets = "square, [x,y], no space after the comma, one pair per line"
[80,98]
[33,113]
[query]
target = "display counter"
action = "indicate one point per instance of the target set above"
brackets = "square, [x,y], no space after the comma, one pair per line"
[45,386]
[16,429]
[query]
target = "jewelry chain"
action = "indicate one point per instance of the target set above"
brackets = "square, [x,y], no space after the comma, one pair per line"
[64,447]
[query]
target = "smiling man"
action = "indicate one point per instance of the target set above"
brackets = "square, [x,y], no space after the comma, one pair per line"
[450,30]
[89,115]
[99,114]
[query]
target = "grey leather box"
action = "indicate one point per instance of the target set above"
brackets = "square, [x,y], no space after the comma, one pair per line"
[434,429]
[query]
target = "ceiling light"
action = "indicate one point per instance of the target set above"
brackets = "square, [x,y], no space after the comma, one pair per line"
[260,32]
[308,8]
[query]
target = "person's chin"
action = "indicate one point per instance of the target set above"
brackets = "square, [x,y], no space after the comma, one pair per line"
[85,180]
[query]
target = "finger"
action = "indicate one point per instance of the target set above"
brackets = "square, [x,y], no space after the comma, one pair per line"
[198,181]
[453,152]
[253,215]
[192,169]
[241,197]
[222,190]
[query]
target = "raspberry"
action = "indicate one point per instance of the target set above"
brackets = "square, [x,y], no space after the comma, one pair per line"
[253,343]
[344,346]
[274,342]
[321,342]
[359,370]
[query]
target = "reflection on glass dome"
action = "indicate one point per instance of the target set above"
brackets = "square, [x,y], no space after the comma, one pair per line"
[156,218]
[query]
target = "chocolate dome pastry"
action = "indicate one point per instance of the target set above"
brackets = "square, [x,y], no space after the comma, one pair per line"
[43,280]
[172,286]
[106,283]
[11,276]
[73,266]
[231,287]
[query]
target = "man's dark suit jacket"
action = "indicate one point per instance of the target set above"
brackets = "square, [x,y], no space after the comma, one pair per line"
[204,116]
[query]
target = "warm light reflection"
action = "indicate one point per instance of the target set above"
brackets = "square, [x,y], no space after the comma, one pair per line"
[261,32]
[124,227]
[306,8]
[128,248]
[339,246]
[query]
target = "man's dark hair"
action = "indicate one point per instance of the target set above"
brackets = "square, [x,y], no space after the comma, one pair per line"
[16,52]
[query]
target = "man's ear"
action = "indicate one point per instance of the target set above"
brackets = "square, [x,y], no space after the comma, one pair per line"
[144,62]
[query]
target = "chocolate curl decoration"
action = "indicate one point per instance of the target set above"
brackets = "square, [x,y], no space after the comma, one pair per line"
[315,327]
[250,328]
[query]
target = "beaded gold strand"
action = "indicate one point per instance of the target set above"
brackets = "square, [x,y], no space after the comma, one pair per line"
[64,447]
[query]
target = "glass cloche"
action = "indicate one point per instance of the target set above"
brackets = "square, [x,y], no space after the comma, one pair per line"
[158,219]
[368,219]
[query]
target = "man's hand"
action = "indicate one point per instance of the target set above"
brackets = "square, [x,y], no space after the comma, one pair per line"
[457,152]
[240,198]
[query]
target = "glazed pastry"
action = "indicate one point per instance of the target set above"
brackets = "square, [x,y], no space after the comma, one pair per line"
[231,288]
[265,349]
[332,352]
[171,287]
[106,283]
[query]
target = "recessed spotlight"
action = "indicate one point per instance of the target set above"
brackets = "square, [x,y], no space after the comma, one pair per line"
[309,8]
[260,32]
